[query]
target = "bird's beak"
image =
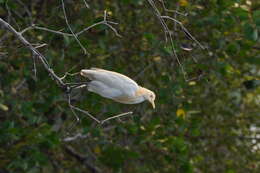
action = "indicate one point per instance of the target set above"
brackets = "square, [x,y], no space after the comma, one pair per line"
[152,102]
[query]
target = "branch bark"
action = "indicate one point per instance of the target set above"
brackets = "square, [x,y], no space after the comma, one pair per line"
[41,57]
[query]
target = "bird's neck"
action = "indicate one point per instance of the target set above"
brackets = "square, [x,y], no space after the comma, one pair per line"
[140,92]
[137,98]
[130,100]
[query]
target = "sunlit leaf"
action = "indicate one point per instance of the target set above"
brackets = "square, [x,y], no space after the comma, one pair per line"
[180,113]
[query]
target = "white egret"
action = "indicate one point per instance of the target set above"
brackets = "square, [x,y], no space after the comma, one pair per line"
[116,86]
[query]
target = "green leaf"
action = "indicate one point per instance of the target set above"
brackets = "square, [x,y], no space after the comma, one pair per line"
[256,18]
[253,60]
[4,107]
[241,13]
[250,32]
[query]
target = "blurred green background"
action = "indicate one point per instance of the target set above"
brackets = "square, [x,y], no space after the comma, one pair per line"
[208,123]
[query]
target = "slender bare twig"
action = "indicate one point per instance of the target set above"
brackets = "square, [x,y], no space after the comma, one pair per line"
[172,11]
[168,34]
[91,116]
[75,137]
[34,66]
[86,4]
[184,30]
[116,116]
[68,74]
[80,110]
[83,159]
[67,22]
[59,80]
[34,51]
[39,45]
[27,10]
[104,22]
[8,12]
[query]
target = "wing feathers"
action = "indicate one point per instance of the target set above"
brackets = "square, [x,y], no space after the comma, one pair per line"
[112,80]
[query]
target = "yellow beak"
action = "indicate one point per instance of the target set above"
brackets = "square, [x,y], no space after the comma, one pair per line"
[152,102]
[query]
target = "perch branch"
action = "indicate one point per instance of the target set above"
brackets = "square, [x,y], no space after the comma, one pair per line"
[67,22]
[82,158]
[35,52]
[168,34]
[104,22]
[59,80]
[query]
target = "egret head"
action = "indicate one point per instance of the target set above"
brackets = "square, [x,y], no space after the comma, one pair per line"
[150,96]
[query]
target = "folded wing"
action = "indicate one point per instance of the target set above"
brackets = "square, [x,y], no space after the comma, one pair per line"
[117,83]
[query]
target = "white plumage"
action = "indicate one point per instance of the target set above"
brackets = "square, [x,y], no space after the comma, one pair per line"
[117,87]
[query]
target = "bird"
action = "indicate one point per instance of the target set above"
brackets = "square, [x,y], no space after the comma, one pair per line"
[116,86]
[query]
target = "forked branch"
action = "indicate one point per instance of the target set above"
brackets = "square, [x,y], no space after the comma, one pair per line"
[67,87]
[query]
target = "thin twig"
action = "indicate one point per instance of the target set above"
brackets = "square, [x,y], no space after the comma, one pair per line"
[34,66]
[184,30]
[107,23]
[86,4]
[34,51]
[69,74]
[116,116]
[91,116]
[169,35]
[67,22]
[27,10]
[167,32]
[83,159]
[77,136]
[59,80]
[172,11]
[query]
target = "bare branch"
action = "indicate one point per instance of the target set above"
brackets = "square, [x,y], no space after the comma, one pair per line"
[67,22]
[168,34]
[91,116]
[86,4]
[104,22]
[77,136]
[83,159]
[34,65]
[59,80]
[172,11]
[184,29]
[80,110]
[27,10]
[69,74]
[43,60]
[116,116]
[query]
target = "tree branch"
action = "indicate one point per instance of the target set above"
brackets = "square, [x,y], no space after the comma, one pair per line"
[83,159]
[43,60]
[67,87]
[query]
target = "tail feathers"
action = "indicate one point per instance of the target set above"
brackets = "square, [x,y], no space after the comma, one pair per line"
[87,73]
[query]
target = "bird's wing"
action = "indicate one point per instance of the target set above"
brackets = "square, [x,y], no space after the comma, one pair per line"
[113,80]
[103,90]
